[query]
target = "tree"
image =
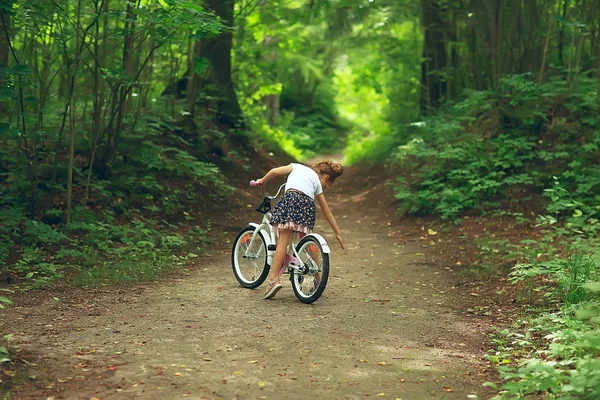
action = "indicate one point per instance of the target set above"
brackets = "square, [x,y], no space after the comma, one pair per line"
[435,63]
[5,16]
[217,50]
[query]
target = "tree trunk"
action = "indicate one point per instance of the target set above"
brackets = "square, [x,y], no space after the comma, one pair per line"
[193,82]
[98,101]
[73,114]
[272,101]
[100,63]
[548,35]
[4,52]
[217,51]
[496,14]
[433,85]
[561,35]
[130,21]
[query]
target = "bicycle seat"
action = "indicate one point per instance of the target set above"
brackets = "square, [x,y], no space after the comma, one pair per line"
[265,207]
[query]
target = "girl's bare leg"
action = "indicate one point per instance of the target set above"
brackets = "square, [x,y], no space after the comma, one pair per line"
[280,252]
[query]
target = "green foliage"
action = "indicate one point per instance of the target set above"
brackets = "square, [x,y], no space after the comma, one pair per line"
[503,148]
[566,367]
[117,240]
[4,354]
[321,71]
[564,359]
[4,300]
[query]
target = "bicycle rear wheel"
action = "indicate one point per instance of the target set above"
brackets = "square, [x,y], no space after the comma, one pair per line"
[249,258]
[310,283]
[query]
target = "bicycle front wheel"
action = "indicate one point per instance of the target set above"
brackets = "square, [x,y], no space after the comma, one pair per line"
[249,258]
[309,284]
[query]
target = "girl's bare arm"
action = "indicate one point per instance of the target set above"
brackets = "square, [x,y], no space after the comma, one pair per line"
[330,218]
[284,170]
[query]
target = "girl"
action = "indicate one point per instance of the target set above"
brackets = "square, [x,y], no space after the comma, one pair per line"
[296,211]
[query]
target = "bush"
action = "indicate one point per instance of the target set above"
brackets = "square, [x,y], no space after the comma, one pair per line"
[502,148]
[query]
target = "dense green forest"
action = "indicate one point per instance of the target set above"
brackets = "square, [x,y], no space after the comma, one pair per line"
[121,120]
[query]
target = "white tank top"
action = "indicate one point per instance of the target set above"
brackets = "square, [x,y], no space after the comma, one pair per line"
[305,180]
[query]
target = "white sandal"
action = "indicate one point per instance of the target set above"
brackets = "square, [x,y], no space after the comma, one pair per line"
[272,288]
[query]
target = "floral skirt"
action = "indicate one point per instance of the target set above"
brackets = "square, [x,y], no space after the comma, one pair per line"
[295,211]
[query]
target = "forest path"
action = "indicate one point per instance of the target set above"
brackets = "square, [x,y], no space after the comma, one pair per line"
[385,327]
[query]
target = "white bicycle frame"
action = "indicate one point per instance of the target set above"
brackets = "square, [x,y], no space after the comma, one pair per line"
[264,229]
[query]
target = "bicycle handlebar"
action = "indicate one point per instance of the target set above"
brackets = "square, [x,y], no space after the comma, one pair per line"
[254,183]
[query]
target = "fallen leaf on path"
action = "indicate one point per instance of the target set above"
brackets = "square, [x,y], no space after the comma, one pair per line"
[380,394]
[431,232]
[253,362]
[207,359]
[261,384]
[382,363]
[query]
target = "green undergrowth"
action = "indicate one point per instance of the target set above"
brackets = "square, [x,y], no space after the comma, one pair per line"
[142,214]
[502,149]
[553,350]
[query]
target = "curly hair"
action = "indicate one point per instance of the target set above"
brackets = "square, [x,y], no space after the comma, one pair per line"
[329,168]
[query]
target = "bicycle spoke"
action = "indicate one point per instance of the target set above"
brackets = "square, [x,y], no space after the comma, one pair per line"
[250,258]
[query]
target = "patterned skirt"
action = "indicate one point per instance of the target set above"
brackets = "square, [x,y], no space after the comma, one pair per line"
[294,211]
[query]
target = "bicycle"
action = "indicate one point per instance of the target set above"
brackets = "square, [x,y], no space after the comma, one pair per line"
[254,247]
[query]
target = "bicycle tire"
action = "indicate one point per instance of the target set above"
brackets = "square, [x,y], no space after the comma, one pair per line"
[310,251]
[259,270]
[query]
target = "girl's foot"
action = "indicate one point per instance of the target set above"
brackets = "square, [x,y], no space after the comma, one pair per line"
[286,262]
[272,288]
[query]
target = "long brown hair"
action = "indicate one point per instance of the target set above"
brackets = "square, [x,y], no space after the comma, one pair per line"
[329,168]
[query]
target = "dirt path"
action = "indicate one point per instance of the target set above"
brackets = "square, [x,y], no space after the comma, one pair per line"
[385,327]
